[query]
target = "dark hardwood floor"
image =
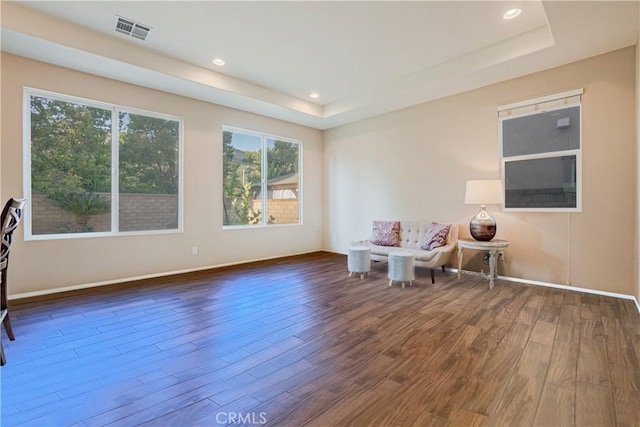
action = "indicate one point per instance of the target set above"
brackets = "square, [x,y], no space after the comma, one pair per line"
[296,342]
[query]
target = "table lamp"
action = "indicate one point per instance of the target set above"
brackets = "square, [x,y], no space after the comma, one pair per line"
[483,192]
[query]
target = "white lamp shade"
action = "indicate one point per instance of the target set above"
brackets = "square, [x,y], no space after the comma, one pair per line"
[483,192]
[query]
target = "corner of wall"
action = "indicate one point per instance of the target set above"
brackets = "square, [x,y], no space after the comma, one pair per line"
[637,245]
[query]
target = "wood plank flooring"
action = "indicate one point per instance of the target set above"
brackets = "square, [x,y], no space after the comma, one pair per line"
[296,342]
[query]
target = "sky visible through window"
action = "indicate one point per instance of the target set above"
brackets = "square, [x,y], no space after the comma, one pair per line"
[245,142]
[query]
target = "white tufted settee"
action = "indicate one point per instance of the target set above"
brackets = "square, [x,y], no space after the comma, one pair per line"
[411,237]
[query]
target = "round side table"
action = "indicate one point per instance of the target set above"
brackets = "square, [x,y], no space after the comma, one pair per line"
[493,247]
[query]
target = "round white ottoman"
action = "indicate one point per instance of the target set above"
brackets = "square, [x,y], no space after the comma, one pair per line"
[359,260]
[401,268]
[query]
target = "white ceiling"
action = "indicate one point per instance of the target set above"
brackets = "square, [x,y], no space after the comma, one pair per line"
[363,58]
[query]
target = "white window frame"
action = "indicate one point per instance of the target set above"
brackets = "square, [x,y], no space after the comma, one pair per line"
[115,170]
[535,106]
[264,137]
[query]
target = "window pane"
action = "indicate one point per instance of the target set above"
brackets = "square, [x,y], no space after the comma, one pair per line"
[70,167]
[242,173]
[282,182]
[551,131]
[148,179]
[541,183]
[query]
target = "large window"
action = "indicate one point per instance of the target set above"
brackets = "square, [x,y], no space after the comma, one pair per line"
[261,179]
[99,169]
[541,151]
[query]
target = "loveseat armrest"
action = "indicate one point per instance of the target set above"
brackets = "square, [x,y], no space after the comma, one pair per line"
[448,248]
[438,256]
[361,243]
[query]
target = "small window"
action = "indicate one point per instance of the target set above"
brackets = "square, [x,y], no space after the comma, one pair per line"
[261,174]
[541,154]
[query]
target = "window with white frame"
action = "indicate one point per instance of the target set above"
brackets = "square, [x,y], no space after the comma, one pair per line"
[261,178]
[93,168]
[541,153]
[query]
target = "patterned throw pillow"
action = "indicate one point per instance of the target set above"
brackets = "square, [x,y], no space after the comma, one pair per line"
[386,233]
[436,236]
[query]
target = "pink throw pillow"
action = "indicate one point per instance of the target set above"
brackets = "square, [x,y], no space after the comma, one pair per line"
[386,233]
[436,236]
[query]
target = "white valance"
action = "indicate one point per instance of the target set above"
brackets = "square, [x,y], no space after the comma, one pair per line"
[543,103]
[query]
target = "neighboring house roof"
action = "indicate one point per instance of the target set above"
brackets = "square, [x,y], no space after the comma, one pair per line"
[284,182]
[289,181]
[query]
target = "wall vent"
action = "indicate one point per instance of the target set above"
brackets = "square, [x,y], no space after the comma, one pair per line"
[131,28]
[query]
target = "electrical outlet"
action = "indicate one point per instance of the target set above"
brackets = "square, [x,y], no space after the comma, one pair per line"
[194,250]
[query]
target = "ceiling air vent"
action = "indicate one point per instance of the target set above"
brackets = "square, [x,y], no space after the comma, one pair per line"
[132,28]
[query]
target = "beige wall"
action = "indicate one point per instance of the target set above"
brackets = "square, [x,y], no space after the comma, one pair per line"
[413,164]
[409,164]
[46,265]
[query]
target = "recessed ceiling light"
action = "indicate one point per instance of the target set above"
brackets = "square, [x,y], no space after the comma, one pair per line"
[219,61]
[512,13]
[314,95]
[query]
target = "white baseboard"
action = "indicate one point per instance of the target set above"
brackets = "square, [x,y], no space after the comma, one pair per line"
[145,276]
[549,285]
[564,287]
[209,267]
